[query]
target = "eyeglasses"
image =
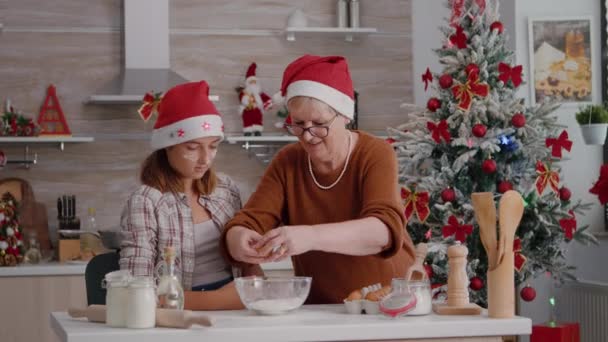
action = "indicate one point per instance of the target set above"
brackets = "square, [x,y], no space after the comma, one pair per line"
[319,131]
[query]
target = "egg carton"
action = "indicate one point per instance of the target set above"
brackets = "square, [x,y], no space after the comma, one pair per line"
[359,306]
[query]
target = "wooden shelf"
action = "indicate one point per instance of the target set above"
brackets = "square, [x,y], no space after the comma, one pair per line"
[26,161]
[263,138]
[43,139]
[347,32]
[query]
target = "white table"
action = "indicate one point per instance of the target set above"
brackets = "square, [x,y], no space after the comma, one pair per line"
[310,323]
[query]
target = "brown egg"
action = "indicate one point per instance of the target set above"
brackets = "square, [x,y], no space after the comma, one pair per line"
[355,295]
[378,294]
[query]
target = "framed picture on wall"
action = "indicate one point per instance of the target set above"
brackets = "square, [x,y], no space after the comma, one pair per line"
[561,66]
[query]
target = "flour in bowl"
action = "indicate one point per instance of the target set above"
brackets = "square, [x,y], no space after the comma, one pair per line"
[275,305]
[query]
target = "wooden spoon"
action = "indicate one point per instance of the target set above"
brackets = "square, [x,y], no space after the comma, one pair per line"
[510,212]
[485,214]
[417,271]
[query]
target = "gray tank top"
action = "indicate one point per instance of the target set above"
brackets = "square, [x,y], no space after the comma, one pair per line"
[209,265]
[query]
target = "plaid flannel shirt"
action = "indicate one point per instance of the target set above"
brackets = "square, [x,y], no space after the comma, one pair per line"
[152,220]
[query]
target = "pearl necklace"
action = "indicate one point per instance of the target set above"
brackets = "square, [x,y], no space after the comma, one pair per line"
[350,138]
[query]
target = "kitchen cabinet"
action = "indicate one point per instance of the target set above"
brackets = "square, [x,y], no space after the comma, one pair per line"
[29,293]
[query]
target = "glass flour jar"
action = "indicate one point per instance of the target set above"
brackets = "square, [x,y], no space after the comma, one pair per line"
[421,289]
[141,303]
[116,283]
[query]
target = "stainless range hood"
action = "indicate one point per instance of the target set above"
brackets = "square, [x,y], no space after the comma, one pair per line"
[146,55]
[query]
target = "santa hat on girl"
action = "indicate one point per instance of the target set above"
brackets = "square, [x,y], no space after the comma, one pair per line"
[184,113]
[323,78]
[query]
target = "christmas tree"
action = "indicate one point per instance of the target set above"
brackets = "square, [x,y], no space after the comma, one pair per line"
[11,241]
[476,136]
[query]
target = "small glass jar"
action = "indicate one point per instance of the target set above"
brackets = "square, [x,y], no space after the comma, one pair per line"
[141,303]
[116,283]
[421,289]
[400,301]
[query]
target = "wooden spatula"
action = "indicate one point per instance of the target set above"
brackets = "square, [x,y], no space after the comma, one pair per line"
[485,214]
[510,212]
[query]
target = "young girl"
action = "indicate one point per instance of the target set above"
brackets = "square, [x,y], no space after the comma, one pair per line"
[183,203]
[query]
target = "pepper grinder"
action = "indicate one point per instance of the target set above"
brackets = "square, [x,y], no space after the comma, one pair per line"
[458,293]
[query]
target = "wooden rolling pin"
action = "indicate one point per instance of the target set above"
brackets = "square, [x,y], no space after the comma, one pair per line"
[167,318]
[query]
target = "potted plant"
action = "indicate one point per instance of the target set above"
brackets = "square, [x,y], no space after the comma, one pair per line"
[593,120]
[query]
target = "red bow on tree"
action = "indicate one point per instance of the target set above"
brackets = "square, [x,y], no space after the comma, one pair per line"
[459,38]
[455,228]
[520,259]
[439,131]
[600,188]
[559,143]
[546,176]
[150,105]
[416,203]
[464,92]
[510,73]
[426,78]
[568,225]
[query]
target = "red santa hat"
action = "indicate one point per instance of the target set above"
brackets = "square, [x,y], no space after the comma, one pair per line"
[185,113]
[250,72]
[324,78]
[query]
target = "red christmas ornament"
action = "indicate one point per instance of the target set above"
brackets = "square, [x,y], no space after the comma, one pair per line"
[479,130]
[472,68]
[497,25]
[504,186]
[565,194]
[488,166]
[528,293]
[518,120]
[446,81]
[476,284]
[390,140]
[433,104]
[448,195]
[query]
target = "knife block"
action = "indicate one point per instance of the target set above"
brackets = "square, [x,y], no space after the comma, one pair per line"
[69,249]
[501,288]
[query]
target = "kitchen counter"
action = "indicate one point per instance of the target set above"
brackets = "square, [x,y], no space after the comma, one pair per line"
[310,323]
[44,269]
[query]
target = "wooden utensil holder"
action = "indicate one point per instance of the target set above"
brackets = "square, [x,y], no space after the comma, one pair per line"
[501,288]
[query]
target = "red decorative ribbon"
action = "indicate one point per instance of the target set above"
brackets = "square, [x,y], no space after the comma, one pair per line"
[600,188]
[510,73]
[416,203]
[455,228]
[520,259]
[150,105]
[439,131]
[546,176]
[464,92]
[459,38]
[426,78]
[557,144]
[568,225]
[458,7]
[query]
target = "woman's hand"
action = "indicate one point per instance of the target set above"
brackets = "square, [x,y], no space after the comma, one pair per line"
[240,242]
[283,242]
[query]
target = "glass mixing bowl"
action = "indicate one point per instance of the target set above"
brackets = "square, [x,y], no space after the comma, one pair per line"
[273,295]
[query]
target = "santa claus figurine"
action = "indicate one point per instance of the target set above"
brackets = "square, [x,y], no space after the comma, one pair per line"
[253,104]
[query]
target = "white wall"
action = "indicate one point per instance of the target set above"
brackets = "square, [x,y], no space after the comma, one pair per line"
[582,169]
